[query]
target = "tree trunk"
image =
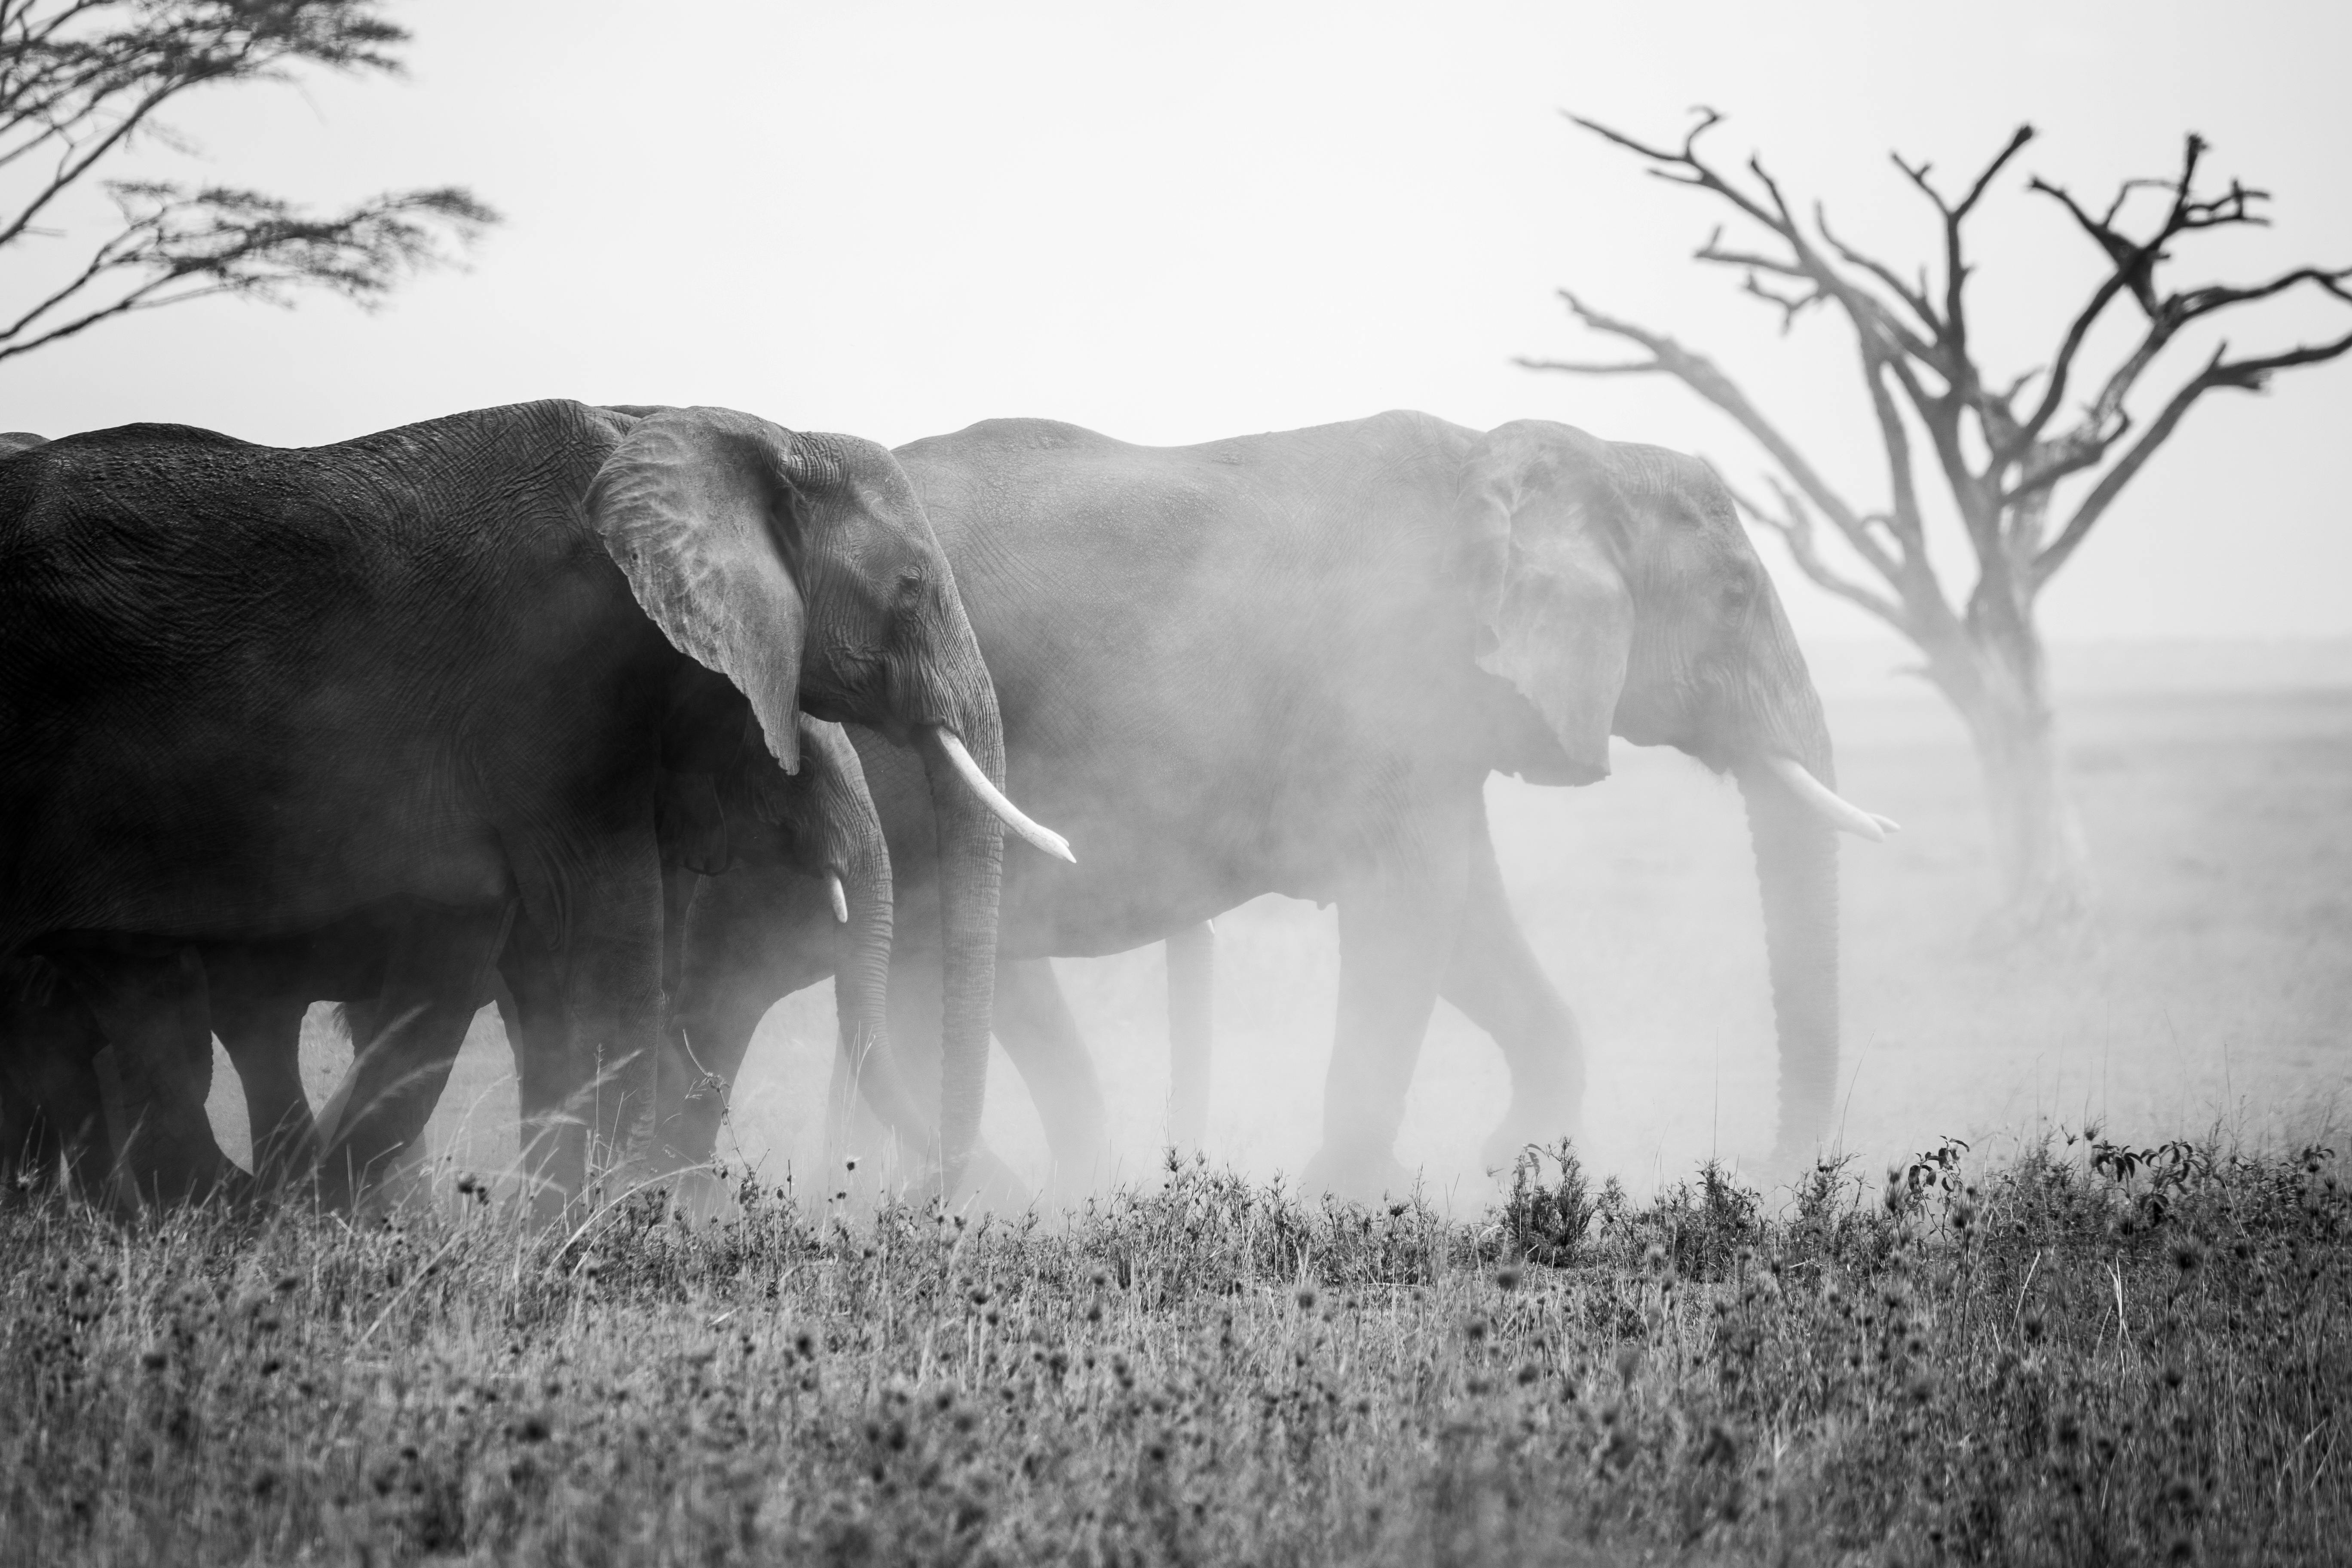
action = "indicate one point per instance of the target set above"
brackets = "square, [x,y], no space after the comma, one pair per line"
[2000,687]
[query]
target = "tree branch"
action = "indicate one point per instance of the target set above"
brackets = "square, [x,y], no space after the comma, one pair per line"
[85,79]
[1914,300]
[220,241]
[2246,375]
[1795,527]
[1953,336]
[1916,344]
[1702,375]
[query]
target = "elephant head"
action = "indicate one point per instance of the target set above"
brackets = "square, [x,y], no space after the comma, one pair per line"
[1615,591]
[803,569]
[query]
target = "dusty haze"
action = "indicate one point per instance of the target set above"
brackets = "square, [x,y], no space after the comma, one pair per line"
[1175,227]
[2217,784]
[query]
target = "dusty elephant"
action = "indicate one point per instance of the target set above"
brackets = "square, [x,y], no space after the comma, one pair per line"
[1288,663]
[251,693]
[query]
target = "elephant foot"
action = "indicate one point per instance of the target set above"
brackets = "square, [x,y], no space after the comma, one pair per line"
[1358,1175]
[1542,1122]
[407,1188]
[987,1184]
[164,1172]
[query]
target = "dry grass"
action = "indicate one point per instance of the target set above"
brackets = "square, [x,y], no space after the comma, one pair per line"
[2088,1355]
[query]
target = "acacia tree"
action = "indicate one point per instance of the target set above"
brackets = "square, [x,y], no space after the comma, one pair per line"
[2004,448]
[83,81]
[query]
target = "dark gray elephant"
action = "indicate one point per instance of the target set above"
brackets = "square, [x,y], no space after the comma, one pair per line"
[714,808]
[1288,663]
[250,692]
[821,830]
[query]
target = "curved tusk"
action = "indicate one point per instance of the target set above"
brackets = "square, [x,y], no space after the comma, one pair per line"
[840,897]
[1045,838]
[1827,804]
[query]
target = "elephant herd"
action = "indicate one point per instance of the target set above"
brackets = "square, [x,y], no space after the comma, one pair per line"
[638,719]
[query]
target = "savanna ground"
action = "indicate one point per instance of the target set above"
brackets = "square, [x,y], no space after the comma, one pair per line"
[2090,1354]
[2113,1328]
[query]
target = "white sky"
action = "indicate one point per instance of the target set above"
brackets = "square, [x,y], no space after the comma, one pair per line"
[1177,223]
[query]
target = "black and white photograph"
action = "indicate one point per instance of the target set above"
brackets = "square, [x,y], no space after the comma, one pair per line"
[1284,784]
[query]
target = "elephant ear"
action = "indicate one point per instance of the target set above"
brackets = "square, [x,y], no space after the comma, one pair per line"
[1540,528]
[699,509]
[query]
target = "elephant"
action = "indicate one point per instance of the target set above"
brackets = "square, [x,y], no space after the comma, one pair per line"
[251,693]
[1288,663]
[712,812]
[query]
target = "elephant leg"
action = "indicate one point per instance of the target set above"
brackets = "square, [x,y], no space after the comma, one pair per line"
[902,1087]
[742,953]
[537,1033]
[1497,981]
[155,1071]
[605,1076]
[867,1098]
[1192,995]
[52,1112]
[405,1043]
[1034,1025]
[502,998]
[916,1012]
[1397,933]
[262,1033]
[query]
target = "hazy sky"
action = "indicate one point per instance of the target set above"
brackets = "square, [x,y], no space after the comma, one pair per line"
[1177,223]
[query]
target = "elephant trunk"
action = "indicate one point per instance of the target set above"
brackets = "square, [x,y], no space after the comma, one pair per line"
[1783,783]
[862,979]
[972,851]
[1796,872]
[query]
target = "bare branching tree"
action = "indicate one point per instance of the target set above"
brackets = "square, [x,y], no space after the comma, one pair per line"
[83,81]
[2004,450]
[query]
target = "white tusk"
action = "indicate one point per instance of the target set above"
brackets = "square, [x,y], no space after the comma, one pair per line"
[840,897]
[1833,808]
[1045,838]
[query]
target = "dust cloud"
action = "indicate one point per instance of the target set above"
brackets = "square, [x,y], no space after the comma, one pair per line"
[2216,785]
